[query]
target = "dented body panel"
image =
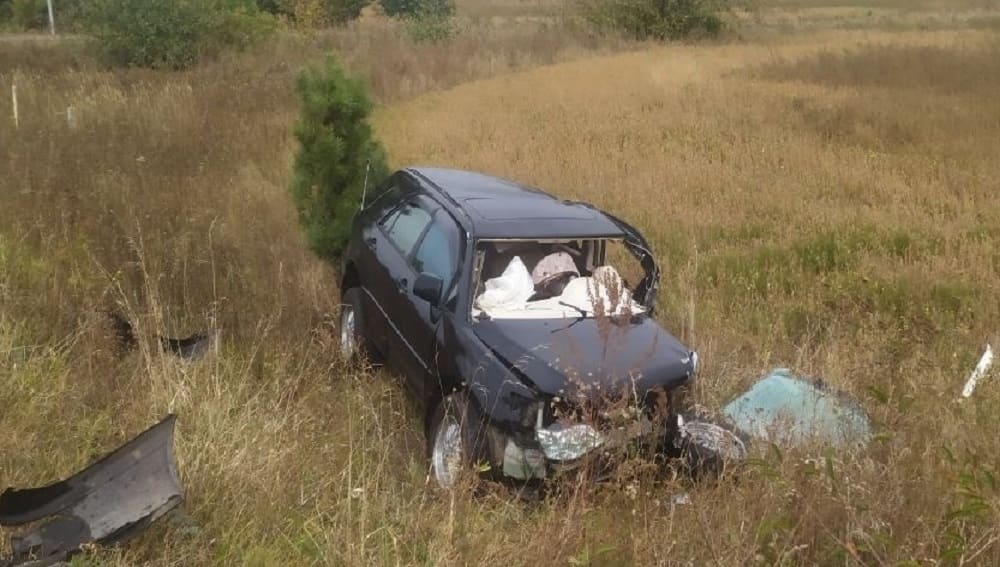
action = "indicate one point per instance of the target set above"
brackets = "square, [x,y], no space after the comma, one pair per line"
[107,502]
[571,357]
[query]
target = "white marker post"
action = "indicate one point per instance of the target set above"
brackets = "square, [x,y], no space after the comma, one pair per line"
[981,369]
[52,19]
[13,98]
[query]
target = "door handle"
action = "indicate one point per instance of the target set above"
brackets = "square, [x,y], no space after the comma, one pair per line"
[401,284]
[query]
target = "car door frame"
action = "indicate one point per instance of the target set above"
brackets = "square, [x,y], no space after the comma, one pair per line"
[364,254]
[406,357]
[417,321]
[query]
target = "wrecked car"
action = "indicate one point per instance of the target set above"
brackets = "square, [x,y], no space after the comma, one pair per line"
[521,322]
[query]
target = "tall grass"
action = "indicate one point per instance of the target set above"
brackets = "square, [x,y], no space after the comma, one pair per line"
[810,205]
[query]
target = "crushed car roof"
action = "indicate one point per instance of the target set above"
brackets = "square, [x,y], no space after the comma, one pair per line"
[499,208]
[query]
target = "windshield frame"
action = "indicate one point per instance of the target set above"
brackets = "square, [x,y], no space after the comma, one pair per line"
[596,249]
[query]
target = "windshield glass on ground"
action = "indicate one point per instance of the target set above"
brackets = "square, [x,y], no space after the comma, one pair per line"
[554,279]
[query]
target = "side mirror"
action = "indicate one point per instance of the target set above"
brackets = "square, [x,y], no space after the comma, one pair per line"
[428,287]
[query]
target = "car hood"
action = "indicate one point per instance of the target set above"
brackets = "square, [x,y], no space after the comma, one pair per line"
[561,357]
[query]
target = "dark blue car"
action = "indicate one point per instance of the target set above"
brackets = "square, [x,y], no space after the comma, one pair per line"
[521,322]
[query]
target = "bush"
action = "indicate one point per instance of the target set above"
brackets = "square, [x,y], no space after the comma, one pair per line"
[399,8]
[28,14]
[656,19]
[274,7]
[423,20]
[429,27]
[343,11]
[315,13]
[33,14]
[336,146]
[418,9]
[172,33]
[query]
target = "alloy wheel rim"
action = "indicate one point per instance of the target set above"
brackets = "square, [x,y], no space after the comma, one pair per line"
[447,452]
[347,345]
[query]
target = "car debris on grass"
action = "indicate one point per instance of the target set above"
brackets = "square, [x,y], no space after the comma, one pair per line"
[108,502]
[190,348]
[979,372]
[787,410]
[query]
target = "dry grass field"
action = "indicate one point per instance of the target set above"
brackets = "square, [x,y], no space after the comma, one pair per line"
[821,195]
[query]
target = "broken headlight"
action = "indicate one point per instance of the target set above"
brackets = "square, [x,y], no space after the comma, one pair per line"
[562,442]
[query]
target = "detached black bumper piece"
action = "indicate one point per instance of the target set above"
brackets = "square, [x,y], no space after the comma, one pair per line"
[108,502]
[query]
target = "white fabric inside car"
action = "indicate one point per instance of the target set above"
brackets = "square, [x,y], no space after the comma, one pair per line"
[553,265]
[510,290]
[506,297]
[604,290]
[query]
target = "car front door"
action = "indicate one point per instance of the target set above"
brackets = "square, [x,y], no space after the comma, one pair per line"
[439,253]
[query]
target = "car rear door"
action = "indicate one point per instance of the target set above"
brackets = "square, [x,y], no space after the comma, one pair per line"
[371,246]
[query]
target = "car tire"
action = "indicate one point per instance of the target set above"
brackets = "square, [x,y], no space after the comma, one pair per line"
[352,339]
[455,439]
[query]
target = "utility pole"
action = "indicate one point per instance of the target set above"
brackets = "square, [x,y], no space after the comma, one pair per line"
[52,20]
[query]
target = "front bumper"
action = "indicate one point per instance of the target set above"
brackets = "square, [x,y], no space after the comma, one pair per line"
[562,438]
[575,446]
[703,445]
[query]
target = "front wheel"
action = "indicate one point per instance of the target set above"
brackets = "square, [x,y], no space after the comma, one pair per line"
[455,439]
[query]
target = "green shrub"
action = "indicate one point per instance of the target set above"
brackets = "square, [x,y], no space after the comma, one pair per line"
[429,27]
[656,19]
[343,11]
[172,33]
[424,20]
[418,9]
[28,14]
[33,14]
[236,23]
[336,146]
[312,14]
[69,14]
[399,8]
[271,7]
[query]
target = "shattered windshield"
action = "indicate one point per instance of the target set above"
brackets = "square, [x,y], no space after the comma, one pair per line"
[555,279]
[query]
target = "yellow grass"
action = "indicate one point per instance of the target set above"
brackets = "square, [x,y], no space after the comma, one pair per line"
[824,201]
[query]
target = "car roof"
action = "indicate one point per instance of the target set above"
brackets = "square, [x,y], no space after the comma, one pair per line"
[500,208]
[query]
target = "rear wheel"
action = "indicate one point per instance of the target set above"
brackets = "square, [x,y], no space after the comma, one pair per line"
[353,341]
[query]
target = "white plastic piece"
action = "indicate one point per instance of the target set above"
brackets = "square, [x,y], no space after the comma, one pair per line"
[985,362]
[13,102]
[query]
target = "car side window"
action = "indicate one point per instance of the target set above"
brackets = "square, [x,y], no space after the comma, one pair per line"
[438,252]
[404,225]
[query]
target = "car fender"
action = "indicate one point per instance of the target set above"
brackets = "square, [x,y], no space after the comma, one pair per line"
[499,393]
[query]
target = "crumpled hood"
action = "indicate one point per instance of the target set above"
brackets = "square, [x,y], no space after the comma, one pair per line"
[564,356]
